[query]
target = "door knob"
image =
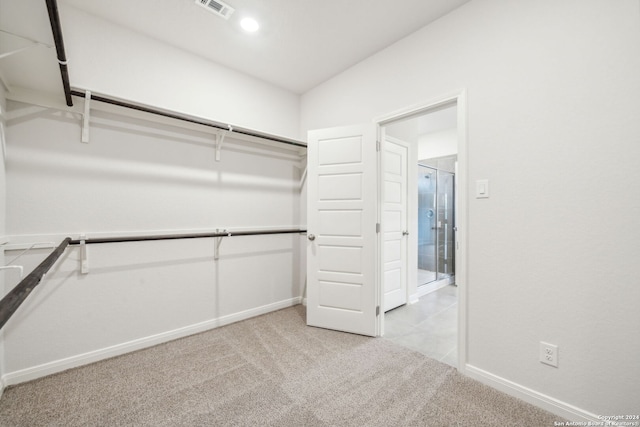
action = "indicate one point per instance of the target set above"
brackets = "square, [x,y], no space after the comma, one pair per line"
[311,237]
[405,233]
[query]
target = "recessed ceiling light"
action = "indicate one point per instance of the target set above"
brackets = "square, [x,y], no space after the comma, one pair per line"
[250,25]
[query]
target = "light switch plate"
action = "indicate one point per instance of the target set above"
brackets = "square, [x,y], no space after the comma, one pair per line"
[482,189]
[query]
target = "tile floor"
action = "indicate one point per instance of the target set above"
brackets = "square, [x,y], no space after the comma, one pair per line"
[429,326]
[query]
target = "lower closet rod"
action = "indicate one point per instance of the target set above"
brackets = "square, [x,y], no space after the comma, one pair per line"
[184,236]
[16,296]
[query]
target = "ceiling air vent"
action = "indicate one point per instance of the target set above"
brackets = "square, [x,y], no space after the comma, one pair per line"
[217,7]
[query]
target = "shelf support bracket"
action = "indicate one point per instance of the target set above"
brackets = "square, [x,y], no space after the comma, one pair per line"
[216,253]
[86,116]
[303,178]
[84,255]
[219,140]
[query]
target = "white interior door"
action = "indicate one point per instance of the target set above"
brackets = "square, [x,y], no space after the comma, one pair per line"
[395,154]
[342,287]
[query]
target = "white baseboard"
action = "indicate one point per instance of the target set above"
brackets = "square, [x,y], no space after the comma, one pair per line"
[548,403]
[49,368]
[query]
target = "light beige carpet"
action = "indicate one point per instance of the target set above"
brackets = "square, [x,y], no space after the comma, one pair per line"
[271,370]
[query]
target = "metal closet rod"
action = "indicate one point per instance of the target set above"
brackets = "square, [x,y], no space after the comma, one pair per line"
[184,236]
[56,29]
[15,297]
[185,118]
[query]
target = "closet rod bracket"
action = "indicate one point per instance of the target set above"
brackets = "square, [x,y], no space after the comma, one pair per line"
[216,253]
[86,116]
[219,141]
[84,255]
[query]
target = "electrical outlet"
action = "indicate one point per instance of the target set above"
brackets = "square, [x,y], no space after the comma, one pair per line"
[549,354]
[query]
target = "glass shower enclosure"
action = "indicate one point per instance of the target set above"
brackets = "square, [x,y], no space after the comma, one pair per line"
[436,225]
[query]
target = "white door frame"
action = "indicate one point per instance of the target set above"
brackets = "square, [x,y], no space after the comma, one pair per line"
[459,97]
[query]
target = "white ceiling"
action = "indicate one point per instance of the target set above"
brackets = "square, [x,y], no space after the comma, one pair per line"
[301,43]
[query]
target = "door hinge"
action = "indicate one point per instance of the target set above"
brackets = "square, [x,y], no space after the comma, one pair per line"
[378,145]
[377,227]
[377,310]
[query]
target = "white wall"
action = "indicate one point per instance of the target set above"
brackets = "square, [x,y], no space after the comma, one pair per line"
[553,106]
[3,200]
[112,60]
[141,176]
[3,109]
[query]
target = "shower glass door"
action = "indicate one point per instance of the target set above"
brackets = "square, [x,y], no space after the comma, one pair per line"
[436,256]
[427,220]
[445,225]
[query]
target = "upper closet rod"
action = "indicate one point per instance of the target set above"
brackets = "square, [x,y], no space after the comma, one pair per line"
[158,112]
[56,29]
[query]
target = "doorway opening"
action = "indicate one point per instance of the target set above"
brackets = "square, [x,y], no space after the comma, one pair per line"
[429,321]
[362,225]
